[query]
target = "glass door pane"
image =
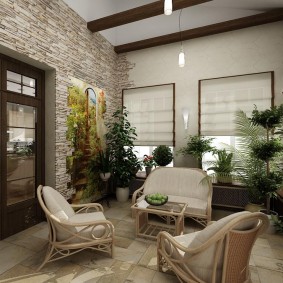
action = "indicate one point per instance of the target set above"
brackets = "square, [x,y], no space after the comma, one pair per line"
[20,152]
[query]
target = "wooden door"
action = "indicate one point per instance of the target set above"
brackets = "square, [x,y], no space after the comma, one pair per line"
[21,144]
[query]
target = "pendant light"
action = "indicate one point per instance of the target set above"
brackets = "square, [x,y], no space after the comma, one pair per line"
[182,59]
[168,7]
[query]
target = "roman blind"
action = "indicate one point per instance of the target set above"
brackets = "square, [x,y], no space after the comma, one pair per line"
[220,98]
[151,112]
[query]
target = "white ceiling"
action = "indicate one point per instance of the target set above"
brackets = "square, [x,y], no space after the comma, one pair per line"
[196,16]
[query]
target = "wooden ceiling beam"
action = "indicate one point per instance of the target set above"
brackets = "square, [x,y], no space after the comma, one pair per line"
[139,13]
[258,19]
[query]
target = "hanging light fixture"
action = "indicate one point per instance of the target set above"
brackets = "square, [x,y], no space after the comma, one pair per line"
[168,7]
[182,60]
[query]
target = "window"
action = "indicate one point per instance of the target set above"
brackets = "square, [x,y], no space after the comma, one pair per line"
[151,112]
[220,98]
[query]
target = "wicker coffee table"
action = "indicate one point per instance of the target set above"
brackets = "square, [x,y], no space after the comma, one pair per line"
[171,214]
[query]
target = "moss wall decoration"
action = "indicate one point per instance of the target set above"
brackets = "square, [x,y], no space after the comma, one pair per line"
[86,134]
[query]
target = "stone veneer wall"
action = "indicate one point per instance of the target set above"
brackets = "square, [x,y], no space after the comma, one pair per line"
[52,33]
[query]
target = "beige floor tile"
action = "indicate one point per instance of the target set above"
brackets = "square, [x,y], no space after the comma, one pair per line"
[91,259]
[127,255]
[141,275]
[160,277]
[254,275]
[122,242]
[42,234]
[32,243]
[268,263]
[120,271]
[91,275]
[13,255]
[267,252]
[4,244]
[269,276]
[139,246]
[125,229]
[134,258]
[116,213]
[149,259]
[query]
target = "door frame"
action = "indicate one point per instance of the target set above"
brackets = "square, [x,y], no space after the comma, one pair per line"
[7,63]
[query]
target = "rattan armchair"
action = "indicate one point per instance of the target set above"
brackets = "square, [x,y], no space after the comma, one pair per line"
[218,254]
[72,231]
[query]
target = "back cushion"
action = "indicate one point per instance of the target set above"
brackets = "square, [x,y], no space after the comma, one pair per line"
[56,203]
[187,182]
[203,262]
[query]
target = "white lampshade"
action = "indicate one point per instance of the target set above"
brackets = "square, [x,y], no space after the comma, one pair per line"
[181,59]
[168,7]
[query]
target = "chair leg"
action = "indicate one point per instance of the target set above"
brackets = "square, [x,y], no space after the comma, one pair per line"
[47,256]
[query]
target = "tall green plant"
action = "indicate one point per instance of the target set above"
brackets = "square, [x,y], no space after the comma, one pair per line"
[269,149]
[120,142]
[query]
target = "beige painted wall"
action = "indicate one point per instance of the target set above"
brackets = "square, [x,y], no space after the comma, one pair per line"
[251,50]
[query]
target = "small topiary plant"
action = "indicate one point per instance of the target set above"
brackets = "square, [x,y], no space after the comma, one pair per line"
[162,155]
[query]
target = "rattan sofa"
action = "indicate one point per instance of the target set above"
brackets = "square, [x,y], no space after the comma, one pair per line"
[188,185]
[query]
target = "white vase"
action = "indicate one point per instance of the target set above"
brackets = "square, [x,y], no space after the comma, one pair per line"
[122,194]
[105,176]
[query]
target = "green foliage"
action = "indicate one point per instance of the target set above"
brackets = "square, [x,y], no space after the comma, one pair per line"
[162,155]
[248,167]
[104,158]
[120,142]
[267,150]
[269,118]
[223,166]
[258,168]
[197,146]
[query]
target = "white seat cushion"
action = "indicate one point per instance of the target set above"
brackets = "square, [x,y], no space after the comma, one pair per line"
[195,206]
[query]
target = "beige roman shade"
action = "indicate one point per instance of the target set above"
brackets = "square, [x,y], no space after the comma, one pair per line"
[220,98]
[151,112]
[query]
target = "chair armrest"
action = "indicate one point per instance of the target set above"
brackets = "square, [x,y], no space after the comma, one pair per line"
[210,222]
[167,245]
[137,194]
[87,206]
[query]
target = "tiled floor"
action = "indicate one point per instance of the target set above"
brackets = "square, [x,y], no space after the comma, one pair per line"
[134,259]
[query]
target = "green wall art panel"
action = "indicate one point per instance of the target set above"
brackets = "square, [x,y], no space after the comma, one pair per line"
[86,134]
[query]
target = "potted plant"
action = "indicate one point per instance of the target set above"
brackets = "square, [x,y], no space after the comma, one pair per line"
[162,155]
[223,166]
[104,165]
[120,142]
[258,149]
[148,162]
[197,146]
[268,149]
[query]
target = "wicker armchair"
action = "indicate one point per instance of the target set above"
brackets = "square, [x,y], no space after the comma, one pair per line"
[219,253]
[71,232]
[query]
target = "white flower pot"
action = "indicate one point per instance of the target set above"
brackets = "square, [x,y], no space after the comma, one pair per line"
[122,194]
[105,176]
